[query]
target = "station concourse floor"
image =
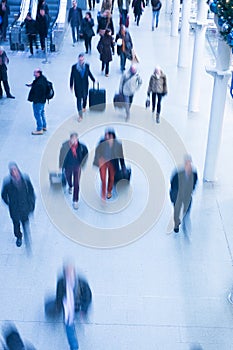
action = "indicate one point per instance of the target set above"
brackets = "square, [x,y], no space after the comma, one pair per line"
[152,289]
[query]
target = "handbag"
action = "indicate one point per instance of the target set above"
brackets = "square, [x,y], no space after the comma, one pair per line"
[122,175]
[100,46]
[119,100]
[147,102]
[57,178]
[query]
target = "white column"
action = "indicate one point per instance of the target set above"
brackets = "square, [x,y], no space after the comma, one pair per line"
[168,6]
[221,75]
[198,57]
[183,55]
[175,17]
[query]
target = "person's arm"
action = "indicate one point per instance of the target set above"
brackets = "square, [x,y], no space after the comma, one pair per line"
[69,15]
[90,74]
[4,194]
[71,79]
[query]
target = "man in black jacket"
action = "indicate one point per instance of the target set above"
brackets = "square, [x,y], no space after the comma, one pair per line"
[183,183]
[75,18]
[18,194]
[37,96]
[73,155]
[4,60]
[43,26]
[31,31]
[79,80]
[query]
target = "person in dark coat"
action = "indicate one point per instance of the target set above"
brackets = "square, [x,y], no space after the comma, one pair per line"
[80,72]
[123,6]
[42,5]
[73,155]
[75,19]
[73,295]
[43,26]
[37,96]
[13,340]
[105,22]
[31,31]
[18,194]
[108,153]
[156,7]
[107,49]
[183,183]
[87,30]
[4,13]
[4,60]
[138,6]
[124,46]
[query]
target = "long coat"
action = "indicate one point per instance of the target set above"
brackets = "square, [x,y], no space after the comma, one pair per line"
[116,151]
[80,83]
[21,202]
[107,48]
[137,7]
[87,27]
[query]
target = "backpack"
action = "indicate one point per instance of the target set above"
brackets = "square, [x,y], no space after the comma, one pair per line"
[49,90]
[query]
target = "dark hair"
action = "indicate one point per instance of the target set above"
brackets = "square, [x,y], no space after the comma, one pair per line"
[74,134]
[89,14]
[111,132]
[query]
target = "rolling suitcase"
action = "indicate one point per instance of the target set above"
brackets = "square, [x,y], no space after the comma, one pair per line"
[122,175]
[97,98]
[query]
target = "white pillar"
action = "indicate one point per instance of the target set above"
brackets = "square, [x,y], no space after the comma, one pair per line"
[221,75]
[168,6]
[175,17]
[198,56]
[183,55]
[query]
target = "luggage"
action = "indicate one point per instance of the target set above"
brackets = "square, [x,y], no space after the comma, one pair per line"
[15,39]
[50,309]
[122,175]
[119,100]
[97,98]
[57,178]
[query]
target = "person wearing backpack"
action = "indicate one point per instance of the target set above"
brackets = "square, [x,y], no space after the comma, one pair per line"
[38,95]
[156,7]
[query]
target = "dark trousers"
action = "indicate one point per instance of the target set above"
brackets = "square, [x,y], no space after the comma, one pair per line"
[159,96]
[137,18]
[90,4]
[75,32]
[186,204]
[42,41]
[73,177]
[124,16]
[128,103]
[16,227]
[6,87]
[87,42]
[106,66]
[122,60]
[81,103]
[32,40]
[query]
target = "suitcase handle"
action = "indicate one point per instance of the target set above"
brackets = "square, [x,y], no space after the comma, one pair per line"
[98,85]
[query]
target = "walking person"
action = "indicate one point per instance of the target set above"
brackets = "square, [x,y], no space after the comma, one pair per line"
[43,26]
[156,7]
[138,6]
[108,153]
[4,13]
[31,31]
[129,84]
[80,72]
[123,6]
[18,194]
[37,96]
[105,22]
[87,31]
[124,46]
[4,60]
[107,50]
[73,155]
[183,183]
[158,88]
[75,19]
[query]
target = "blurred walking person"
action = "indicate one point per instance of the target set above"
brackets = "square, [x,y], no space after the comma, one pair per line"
[18,194]
[156,7]
[105,22]
[123,6]
[80,72]
[75,19]
[4,60]
[87,31]
[129,84]
[13,340]
[124,46]
[73,155]
[183,183]
[4,13]
[138,6]
[43,26]
[107,50]
[31,31]
[158,88]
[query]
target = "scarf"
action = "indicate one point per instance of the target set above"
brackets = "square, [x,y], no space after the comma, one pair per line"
[81,68]
[73,148]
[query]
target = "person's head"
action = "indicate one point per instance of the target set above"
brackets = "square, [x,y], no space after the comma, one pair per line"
[74,3]
[37,72]
[133,69]
[42,12]
[107,13]
[88,15]
[157,70]
[122,29]
[14,171]
[196,347]
[110,136]
[81,58]
[73,138]
[188,164]
[29,16]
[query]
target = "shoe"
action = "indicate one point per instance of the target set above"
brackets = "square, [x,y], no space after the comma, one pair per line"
[107,75]
[109,195]
[153,29]
[44,129]
[75,205]
[176,229]
[86,52]
[19,242]
[80,118]
[37,132]
[84,110]
[157,118]
[10,96]
[70,190]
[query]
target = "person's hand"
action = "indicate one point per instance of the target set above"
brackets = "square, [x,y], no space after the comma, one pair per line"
[28,85]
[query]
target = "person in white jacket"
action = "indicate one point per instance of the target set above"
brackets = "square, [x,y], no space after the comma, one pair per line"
[129,84]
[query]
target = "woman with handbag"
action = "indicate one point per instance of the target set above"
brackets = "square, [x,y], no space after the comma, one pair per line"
[158,88]
[107,49]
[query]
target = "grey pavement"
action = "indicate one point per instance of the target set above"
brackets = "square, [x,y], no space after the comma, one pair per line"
[152,289]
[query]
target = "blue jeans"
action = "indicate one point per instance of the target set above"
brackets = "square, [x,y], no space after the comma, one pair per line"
[155,15]
[123,60]
[72,337]
[39,114]
[124,16]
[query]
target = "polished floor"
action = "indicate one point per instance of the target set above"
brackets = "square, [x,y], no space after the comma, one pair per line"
[152,289]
